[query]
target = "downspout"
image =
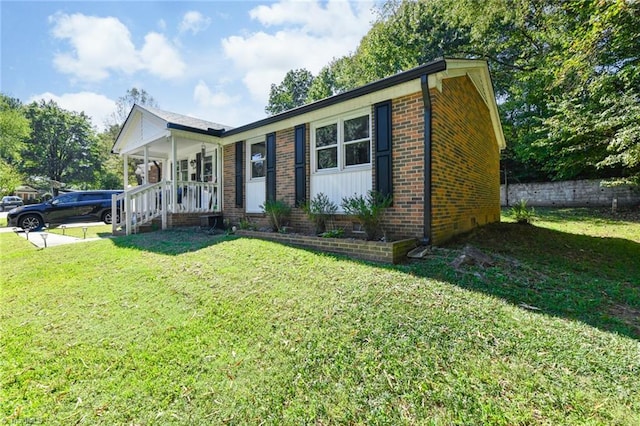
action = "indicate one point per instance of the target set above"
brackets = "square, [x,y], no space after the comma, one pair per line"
[426,100]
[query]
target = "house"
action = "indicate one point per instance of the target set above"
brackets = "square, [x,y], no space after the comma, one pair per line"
[430,136]
[27,193]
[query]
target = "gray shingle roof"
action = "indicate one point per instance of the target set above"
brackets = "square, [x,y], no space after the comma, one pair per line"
[185,120]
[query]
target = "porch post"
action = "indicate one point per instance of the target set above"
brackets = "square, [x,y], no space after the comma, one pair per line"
[174,175]
[219,165]
[146,165]
[126,172]
[164,195]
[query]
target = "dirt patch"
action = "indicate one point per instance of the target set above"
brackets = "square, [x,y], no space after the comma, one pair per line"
[628,315]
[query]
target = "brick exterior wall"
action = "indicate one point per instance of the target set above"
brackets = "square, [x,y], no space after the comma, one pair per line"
[465,159]
[405,218]
[375,251]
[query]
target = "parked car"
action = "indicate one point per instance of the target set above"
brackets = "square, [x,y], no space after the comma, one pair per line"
[9,202]
[70,207]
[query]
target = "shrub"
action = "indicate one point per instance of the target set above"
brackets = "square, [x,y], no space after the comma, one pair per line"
[320,210]
[333,233]
[367,210]
[277,212]
[246,224]
[521,213]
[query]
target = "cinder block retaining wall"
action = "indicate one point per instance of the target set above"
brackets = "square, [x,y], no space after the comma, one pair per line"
[575,193]
[377,251]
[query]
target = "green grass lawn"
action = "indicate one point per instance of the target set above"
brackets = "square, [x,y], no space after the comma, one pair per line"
[180,327]
[77,232]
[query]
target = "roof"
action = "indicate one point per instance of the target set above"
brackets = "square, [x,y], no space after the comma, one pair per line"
[402,77]
[185,120]
[477,70]
[25,188]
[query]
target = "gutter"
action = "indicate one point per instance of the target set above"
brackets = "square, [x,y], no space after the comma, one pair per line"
[209,131]
[426,100]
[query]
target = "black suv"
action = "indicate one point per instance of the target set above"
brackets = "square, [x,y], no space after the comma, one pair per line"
[69,207]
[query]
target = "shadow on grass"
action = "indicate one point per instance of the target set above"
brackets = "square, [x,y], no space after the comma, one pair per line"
[589,279]
[171,242]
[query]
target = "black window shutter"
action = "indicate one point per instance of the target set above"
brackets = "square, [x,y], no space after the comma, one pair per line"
[271,167]
[300,162]
[239,168]
[382,116]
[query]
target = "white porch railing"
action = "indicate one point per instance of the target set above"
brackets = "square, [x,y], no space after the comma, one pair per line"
[137,206]
[195,197]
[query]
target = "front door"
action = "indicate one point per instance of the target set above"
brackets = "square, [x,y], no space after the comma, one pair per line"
[256,174]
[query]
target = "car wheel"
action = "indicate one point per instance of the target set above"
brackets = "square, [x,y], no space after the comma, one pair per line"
[106,217]
[32,222]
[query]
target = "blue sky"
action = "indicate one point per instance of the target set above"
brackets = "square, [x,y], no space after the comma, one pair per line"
[214,60]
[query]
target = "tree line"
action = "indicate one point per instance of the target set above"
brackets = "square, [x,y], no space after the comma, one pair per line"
[46,146]
[565,74]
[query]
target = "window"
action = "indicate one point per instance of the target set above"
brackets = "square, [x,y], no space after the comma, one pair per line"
[327,146]
[183,170]
[208,169]
[258,159]
[343,143]
[357,142]
[67,198]
[94,197]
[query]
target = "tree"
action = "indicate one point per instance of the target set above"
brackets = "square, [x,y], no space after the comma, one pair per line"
[62,146]
[337,77]
[596,123]
[112,175]
[14,130]
[290,93]
[565,73]
[126,102]
[10,178]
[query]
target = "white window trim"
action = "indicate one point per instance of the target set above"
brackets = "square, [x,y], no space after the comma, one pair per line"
[339,120]
[248,162]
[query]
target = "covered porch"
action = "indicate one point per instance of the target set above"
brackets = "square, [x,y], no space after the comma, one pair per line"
[180,173]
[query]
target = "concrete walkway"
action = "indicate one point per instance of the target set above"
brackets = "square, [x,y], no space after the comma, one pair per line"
[52,239]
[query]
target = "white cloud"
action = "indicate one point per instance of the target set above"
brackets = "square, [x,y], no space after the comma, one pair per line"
[306,35]
[205,98]
[160,58]
[96,106]
[194,21]
[101,46]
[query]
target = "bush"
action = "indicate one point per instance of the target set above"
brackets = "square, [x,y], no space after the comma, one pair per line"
[277,212]
[320,210]
[367,210]
[521,213]
[246,224]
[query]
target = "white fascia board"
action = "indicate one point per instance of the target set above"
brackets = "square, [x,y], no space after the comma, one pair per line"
[364,101]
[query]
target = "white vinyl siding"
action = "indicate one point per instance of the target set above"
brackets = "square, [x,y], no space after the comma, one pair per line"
[336,186]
